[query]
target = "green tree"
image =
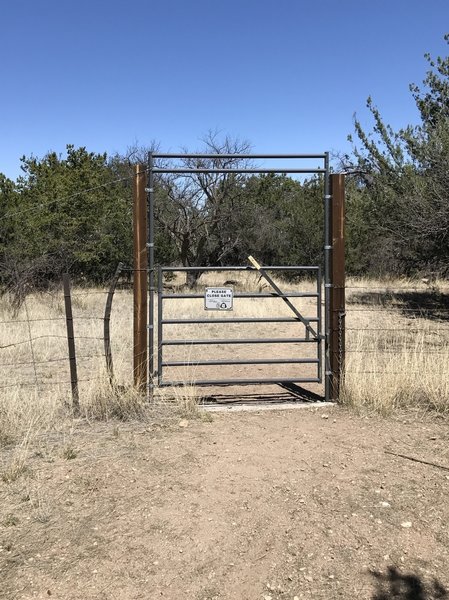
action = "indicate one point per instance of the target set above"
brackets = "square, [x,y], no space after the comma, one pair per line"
[402,182]
[71,211]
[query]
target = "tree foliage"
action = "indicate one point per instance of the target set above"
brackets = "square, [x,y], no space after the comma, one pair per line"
[398,209]
[69,213]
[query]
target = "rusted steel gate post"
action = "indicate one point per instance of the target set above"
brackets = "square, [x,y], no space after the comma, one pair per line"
[337,290]
[140,278]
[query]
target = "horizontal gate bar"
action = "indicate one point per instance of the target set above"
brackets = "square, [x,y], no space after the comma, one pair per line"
[217,382]
[247,295]
[238,155]
[244,268]
[237,341]
[238,320]
[181,170]
[237,361]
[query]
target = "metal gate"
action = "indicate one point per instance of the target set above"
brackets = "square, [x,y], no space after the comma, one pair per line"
[306,329]
[309,327]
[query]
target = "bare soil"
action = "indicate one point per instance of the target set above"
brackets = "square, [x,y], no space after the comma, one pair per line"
[299,503]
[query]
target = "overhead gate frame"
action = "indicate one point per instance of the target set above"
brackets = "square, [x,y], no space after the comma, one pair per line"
[153,169]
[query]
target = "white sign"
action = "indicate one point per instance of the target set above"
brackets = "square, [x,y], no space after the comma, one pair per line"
[218,298]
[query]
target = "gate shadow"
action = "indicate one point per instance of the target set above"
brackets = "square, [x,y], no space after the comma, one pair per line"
[293,393]
[405,586]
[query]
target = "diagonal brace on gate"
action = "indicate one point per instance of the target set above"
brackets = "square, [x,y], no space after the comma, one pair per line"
[276,288]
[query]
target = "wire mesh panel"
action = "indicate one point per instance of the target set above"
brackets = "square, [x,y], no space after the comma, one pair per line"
[236,329]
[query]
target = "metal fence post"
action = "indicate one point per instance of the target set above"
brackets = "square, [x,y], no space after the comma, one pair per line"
[140,278]
[337,295]
[71,344]
[107,323]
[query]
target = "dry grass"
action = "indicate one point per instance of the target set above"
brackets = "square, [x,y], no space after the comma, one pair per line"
[394,358]
[397,346]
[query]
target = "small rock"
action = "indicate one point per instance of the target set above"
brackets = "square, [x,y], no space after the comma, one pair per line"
[324,416]
[406,524]
[385,504]
[183,423]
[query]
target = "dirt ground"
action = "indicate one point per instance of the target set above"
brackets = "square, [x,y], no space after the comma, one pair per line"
[261,505]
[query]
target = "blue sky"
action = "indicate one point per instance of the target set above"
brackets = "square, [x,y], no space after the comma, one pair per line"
[286,75]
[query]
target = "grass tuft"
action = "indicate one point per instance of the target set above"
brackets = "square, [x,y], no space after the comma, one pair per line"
[123,403]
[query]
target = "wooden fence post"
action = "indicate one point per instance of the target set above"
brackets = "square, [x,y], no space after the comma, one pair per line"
[71,344]
[337,291]
[140,279]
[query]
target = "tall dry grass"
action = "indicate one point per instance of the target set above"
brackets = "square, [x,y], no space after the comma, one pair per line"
[397,356]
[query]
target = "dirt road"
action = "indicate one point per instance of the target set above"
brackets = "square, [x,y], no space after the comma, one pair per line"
[289,504]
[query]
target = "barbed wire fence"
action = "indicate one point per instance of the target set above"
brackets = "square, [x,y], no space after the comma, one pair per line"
[397,340]
[387,330]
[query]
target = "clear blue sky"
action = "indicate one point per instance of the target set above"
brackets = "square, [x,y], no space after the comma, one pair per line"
[287,75]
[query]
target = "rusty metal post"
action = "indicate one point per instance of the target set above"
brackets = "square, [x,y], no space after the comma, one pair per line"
[140,278]
[71,344]
[337,290]
[107,325]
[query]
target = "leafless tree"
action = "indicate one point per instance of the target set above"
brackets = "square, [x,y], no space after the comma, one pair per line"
[195,209]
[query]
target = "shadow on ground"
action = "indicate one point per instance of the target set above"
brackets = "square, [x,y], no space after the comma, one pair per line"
[293,393]
[430,304]
[405,586]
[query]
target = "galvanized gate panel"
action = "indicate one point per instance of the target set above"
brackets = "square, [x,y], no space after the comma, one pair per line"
[307,334]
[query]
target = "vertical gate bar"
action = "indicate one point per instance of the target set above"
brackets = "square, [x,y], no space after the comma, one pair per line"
[159,326]
[337,300]
[320,326]
[327,280]
[140,280]
[71,344]
[150,191]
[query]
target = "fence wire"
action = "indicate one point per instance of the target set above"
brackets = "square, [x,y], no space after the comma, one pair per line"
[13,365]
[397,330]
